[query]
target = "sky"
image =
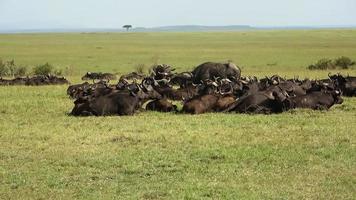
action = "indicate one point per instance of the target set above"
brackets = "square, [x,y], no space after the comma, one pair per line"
[49,14]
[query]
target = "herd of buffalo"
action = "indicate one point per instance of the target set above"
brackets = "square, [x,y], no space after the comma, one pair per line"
[210,87]
[35,80]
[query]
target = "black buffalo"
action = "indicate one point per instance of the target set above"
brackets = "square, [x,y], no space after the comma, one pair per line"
[161,105]
[182,79]
[35,80]
[272,100]
[320,100]
[162,71]
[346,84]
[211,71]
[110,101]
[132,76]
[98,76]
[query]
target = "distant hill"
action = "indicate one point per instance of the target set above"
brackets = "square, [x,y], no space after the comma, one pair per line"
[181,28]
[192,28]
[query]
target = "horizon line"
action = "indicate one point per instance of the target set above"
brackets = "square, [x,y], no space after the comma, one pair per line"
[173,28]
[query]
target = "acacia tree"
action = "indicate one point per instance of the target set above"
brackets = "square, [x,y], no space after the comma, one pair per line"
[127,27]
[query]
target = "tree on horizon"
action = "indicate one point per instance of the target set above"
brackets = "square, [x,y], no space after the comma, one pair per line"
[127,27]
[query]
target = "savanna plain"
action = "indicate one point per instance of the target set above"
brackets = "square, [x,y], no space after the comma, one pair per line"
[300,154]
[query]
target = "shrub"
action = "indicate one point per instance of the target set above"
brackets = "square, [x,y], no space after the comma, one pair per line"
[344,62]
[11,67]
[339,63]
[44,69]
[20,71]
[3,69]
[322,64]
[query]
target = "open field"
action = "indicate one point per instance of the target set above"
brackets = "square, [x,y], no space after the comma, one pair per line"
[301,154]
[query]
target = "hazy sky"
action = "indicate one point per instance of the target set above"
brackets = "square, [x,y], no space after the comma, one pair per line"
[31,14]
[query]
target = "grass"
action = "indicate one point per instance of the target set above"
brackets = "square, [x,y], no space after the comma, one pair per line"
[302,154]
[258,52]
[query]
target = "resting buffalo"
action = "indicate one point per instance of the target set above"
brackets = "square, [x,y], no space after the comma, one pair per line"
[182,79]
[98,76]
[273,100]
[201,104]
[161,105]
[208,103]
[322,100]
[4,81]
[115,102]
[162,71]
[36,80]
[74,90]
[211,70]
[179,94]
[85,89]
[211,98]
[132,76]
[346,84]
[350,87]
[56,80]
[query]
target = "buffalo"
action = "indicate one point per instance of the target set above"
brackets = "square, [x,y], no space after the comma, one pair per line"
[212,70]
[161,105]
[272,100]
[210,98]
[210,87]
[346,84]
[132,76]
[321,100]
[182,79]
[35,80]
[162,71]
[98,76]
[201,104]
[109,101]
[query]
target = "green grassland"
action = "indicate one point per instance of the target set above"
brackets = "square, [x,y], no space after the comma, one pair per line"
[300,154]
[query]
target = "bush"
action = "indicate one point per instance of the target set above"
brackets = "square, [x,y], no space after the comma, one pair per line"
[44,69]
[20,71]
[344,62]
[4,71]
[322,64]
[9,68]
[339,63]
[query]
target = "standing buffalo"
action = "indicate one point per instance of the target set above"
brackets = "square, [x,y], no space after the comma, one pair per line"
[211,70]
